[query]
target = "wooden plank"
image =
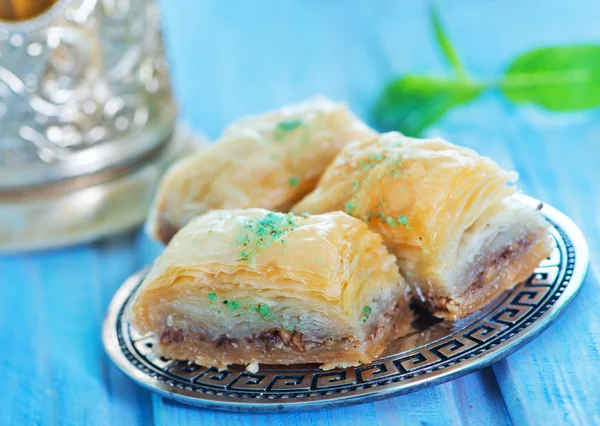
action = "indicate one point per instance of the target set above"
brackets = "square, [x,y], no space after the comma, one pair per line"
[554,379]
[55,349]
[472,400]
[129,404]
[54,368]
[25,365]
[172,413]
[550,380]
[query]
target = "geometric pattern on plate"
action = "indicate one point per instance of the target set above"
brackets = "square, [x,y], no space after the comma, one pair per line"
[438,354]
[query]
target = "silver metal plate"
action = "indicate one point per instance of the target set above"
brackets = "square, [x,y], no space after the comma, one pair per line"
[437,354]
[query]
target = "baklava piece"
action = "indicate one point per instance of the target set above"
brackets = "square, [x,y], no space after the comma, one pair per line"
[269,161]
[448,215]
[253,286]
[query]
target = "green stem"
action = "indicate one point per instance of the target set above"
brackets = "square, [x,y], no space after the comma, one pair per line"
[445,45]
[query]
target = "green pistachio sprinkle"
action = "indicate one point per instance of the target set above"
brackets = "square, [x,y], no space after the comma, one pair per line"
[319,261]
[285,127]
[305,214]
[265,312]
[288,327]
[395,161]
[366,313]
[294,182]
[342,365]
[212,296]
[258,234]
[289,125]
[350,207]
[372,161]
[366,166]
[252,308]
[354,186]
[359,361]
[377,158]
[402,220]
[234,305]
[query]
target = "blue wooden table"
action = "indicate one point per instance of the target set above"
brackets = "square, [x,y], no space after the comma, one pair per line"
[230,58]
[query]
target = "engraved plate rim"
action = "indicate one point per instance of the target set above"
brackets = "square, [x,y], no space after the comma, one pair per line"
[574,262]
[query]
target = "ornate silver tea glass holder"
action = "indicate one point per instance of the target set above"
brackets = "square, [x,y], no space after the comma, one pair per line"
[88,123]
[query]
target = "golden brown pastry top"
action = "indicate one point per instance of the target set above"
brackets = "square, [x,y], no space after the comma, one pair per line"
[268,161]
[419,194]
[332,258]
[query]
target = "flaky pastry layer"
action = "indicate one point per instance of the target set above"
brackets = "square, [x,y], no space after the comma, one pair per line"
[281,346]
[269,161]
[237,275]
[439,208]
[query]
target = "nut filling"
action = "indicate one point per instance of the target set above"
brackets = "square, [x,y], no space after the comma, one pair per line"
[394,322]
[483,286]
[276,338]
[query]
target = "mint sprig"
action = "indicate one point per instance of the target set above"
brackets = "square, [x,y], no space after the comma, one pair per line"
[559,78]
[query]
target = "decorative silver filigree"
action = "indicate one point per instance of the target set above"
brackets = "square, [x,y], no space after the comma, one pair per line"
[85,74]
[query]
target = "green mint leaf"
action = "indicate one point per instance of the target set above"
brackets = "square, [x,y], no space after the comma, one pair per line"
[562,78]
[412,103]
[444,43]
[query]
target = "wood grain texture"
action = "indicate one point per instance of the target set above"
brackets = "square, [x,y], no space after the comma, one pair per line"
[54,368]
[460,402]
[553,379]
[560,383]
